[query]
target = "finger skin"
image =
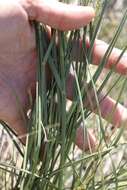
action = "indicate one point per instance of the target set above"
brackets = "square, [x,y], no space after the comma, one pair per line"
[114,115]
[98,52]
[58,15]
[84,141]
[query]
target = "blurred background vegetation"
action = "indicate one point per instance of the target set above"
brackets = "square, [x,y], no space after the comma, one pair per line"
[113,16]
[111,20]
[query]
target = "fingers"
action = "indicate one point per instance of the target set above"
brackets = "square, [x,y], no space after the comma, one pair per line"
[85,141]
[99,51]
[58,15]
[114,114]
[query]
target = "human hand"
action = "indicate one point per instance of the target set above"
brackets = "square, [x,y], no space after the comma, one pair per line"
[18,54]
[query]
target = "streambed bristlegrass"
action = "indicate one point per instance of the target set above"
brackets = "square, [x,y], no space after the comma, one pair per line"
[52,125]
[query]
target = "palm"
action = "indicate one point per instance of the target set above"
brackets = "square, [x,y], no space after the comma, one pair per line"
[17,64]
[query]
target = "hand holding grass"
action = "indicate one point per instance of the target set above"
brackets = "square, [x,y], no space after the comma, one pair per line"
[18,57]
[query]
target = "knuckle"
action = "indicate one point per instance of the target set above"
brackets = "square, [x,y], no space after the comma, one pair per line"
[30,7]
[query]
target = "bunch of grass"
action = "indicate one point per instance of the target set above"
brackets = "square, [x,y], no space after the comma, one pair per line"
[50,149]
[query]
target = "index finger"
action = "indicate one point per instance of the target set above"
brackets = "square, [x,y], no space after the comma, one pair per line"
[58,15]
[114,61]
[99,50]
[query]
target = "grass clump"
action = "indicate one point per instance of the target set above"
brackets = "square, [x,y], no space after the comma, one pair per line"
[49,158]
